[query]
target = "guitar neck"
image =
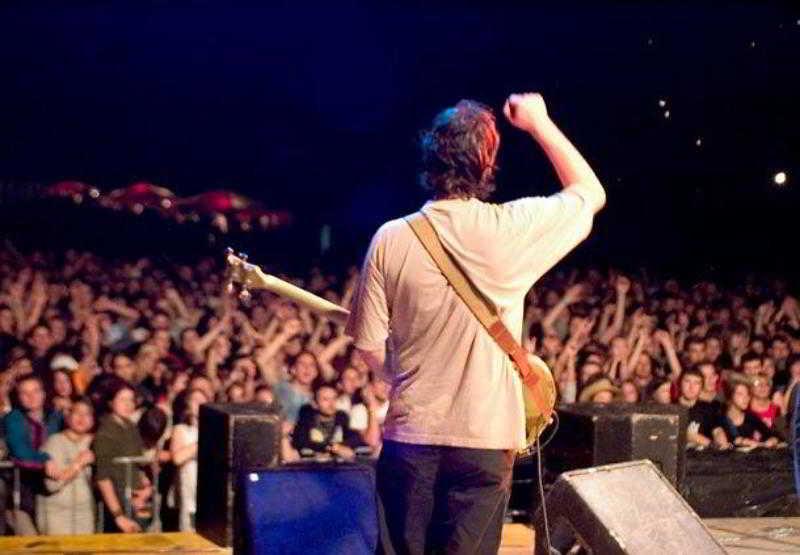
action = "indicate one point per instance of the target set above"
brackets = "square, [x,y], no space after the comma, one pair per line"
[313,302]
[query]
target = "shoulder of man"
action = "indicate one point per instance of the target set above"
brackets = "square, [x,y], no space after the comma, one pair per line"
[391,229]
[14,417]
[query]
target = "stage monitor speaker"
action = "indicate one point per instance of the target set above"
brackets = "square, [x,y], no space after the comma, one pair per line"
[593,434]
[621,509]
[311,508]
[233,438]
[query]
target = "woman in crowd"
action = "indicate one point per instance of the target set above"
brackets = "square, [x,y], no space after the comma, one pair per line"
[27,427]
[60,389]
[761,404]
[742,427]
[660,391]
[69,506]
[184,455]
[117,436]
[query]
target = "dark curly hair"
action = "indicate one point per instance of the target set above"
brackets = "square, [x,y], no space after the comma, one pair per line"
[459,151]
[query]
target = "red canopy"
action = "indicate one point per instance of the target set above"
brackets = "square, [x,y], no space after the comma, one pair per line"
[141,195]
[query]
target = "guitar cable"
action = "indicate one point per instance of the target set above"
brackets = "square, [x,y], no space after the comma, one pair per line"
[542,496]
[538,453]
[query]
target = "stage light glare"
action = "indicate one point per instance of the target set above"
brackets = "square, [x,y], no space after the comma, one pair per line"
[662,102]
[780,178]
[666,114]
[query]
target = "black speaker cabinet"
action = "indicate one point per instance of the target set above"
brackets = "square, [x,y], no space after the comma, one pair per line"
[233,439]
[621,509]
[593,434]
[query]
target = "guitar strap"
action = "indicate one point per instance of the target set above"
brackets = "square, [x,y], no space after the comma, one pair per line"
[482,308]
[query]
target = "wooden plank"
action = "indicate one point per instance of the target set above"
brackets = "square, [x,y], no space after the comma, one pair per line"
[118,544]
[517,539]
[755,536]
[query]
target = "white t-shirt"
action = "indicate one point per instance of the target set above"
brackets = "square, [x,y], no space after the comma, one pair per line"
[359,416]
[451,383]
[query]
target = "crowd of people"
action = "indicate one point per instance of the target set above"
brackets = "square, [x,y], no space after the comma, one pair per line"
[106,359]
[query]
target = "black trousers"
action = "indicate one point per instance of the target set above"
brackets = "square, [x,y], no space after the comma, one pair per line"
[437,499]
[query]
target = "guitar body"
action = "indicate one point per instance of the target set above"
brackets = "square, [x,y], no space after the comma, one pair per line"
[535,421]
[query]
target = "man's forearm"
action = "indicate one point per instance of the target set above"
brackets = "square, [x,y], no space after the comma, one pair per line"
[569,164]
[549,320]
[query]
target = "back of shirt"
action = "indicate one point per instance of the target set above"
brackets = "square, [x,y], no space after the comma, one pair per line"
[451,384]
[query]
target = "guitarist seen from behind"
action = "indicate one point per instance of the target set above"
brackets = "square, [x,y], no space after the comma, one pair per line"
[456,415]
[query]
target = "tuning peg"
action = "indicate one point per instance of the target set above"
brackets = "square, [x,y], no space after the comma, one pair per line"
[243,256]
[229,287]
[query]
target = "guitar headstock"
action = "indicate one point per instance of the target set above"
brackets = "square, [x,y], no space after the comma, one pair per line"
[242,276]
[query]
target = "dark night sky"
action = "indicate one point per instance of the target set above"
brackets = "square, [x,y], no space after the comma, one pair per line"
[317,109]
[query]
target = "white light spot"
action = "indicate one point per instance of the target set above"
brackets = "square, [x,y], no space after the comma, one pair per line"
[780,178]
[752,44]
[650,40]
[662,102]
[699,142]
[253,477]
[666,114]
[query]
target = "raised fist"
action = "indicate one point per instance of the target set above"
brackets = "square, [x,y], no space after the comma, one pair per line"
[526,111]
[662,336]
[623,285]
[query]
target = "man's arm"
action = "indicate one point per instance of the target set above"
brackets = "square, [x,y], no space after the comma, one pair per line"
[368,324]
[570,297]
[529,113]
[623,285]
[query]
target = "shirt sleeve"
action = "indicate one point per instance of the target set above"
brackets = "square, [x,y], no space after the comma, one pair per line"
[368,324]
[542,230]
[359,417]
[351,437]
[104,452]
